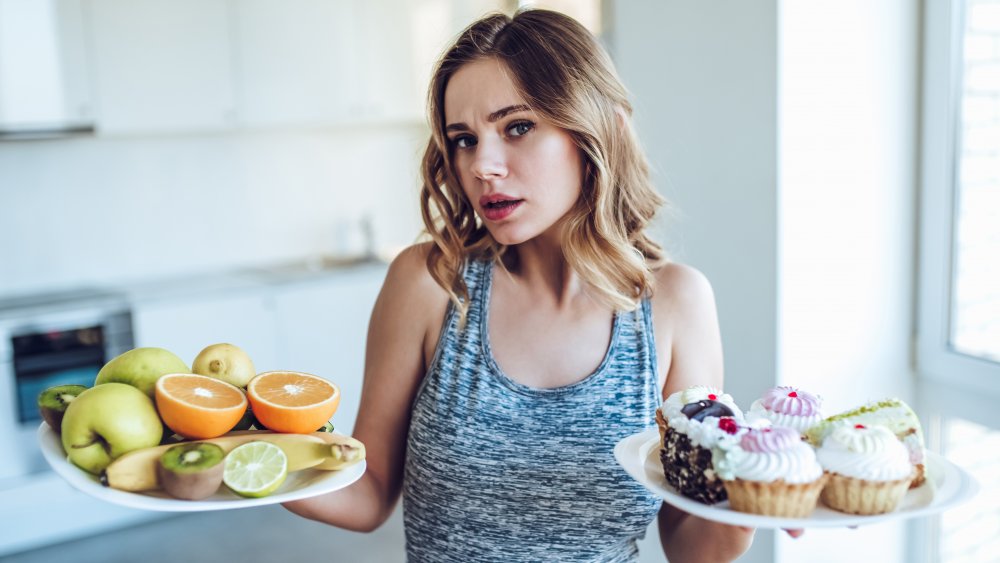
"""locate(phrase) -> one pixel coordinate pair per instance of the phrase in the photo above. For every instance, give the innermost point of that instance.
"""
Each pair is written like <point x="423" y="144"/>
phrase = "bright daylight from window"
<point x="975" y="322"/>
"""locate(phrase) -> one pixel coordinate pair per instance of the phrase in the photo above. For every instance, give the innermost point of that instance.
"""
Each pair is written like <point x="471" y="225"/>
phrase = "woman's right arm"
<point x="406" y="317"/>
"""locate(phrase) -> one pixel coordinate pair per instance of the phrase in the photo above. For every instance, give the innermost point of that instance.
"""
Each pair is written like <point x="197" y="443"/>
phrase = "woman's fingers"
<point x="795" y="532"/>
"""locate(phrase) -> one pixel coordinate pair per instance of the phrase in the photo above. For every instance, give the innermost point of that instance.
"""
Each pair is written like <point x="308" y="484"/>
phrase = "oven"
<point x="46" y="340"/>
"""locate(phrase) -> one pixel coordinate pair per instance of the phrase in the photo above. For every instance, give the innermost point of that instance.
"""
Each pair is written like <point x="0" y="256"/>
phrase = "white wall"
<point x="848" y="112"/>
<point x="785" y="133"/>
<point x="704" y="82"/>
<point x="105" y="211"/>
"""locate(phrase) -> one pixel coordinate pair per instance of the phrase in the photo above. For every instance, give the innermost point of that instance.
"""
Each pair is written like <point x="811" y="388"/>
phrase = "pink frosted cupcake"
<point x="788" y="406"/>
<point x="771" y="472"/>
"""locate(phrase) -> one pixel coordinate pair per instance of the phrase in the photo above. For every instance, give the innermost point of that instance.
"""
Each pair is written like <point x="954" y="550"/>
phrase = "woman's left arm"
<point x="690" y="350"/>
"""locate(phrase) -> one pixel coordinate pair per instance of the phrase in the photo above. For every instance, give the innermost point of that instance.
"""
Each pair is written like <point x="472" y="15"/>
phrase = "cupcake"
<point x="891" y="413"/>
<point x="788" y="406"/>
<point x="773" y="472"/>
<point x="869" y="469"/>
<point x="692" y="422"/>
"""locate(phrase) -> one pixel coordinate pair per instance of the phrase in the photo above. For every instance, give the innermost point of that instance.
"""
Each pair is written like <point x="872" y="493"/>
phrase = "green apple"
<point x="107" y="421"/>
<point x="141" y="368"/>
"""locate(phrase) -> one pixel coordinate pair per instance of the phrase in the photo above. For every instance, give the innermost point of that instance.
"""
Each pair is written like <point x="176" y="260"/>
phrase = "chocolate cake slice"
<point x="693" y="422"/>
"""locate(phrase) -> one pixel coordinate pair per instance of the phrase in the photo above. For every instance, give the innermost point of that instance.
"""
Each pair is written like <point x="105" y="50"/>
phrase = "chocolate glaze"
<point x="698" y="411"/>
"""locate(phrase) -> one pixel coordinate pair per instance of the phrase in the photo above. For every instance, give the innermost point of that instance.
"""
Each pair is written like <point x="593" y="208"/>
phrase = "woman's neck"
<point x="540" y="268"/>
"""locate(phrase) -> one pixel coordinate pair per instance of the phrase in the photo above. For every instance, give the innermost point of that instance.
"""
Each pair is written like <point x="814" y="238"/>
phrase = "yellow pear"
<point x="225" y="361"/>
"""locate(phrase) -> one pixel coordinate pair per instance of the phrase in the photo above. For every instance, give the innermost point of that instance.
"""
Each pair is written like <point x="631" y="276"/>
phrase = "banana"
<point x="346" y="451"/>
<point x="136" y="470"/>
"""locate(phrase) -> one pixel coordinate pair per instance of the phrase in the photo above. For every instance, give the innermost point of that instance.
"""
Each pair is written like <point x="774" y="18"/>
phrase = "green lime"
<point x="255" y="469"/>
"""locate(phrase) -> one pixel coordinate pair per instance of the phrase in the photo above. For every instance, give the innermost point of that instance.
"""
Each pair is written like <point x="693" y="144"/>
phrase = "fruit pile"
<point x="151" y="423"/>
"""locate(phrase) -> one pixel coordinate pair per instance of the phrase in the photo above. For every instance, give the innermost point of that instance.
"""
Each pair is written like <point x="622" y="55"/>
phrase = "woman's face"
<point x="521" y="173"/>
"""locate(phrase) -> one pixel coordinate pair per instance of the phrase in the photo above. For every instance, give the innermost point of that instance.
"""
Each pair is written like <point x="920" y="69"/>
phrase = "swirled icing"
<point x="788" y="406"/>
<point x="769" y="440"/>
<point x="871" y="453"/>
<point x="767" y="455"/>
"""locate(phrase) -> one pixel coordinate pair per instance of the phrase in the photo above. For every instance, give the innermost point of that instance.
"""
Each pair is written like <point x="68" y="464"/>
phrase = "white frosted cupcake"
<point x="869" y="469"/>
<point x="692" y="423"/>
<point x="892" y="413"/>
<point x="788" y="406"/>
<point x="771" y="472"/>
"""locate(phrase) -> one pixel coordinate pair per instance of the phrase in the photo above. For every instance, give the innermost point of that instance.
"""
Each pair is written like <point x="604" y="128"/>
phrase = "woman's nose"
<point x="490" y="162"/>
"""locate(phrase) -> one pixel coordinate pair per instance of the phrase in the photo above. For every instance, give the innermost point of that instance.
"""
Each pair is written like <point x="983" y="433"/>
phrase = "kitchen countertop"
<point x="308" y="269"/>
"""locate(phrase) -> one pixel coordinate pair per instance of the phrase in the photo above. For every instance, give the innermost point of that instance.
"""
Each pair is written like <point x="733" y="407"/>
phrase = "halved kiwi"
<point x="328" y="427"/>
<point x="53" y="401"/>
<point x="191" y="471"/>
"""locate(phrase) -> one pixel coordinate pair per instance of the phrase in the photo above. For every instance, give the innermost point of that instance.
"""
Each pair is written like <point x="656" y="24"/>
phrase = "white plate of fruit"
<point x="155" y="435"/>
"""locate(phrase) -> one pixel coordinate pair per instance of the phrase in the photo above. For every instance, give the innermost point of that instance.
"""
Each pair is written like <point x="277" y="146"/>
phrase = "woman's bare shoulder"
<point x="680" y="286"/>
<point x="687" y="328"/>
<point x="410" y="288"/>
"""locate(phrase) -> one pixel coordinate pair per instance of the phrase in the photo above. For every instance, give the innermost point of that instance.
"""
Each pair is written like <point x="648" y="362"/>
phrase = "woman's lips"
<point x="498" y="206"/>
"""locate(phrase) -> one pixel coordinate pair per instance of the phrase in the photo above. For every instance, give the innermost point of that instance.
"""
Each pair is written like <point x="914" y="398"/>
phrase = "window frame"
<point x="950" y="384"/>
<point x="936" y="360"/>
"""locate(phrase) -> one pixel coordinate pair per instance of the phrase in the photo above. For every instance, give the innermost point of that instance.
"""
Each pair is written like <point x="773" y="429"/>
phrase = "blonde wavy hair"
<point x="568" y="79"/>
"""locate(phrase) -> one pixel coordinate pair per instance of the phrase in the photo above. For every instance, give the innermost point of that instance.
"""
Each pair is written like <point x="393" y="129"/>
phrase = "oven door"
<point x="58" y="349"/>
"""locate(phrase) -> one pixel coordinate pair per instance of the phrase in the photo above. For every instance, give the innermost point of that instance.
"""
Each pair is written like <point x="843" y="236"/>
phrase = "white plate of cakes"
<point x="946" y="486"/>
<point x="783" y="464"/>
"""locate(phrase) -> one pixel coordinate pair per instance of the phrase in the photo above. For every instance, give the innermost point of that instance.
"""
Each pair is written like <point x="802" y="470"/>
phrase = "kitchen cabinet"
<point x="185" y="325"/>
<point x="162" y="65"/>
<point x="314" y="322"/>
<point x="323" y="328"/>
<point x="49" y="91"/>
<point x="298" y="61"/>
<point x="223" y="65"/>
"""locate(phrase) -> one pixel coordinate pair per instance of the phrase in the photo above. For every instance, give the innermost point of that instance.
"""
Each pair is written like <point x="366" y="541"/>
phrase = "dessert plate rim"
<point x="947" y="486"/>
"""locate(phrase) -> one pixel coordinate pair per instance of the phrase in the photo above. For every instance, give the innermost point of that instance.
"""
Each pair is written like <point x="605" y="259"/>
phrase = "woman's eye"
<point x="520" y="128"/>
<point x="463" y="141"/>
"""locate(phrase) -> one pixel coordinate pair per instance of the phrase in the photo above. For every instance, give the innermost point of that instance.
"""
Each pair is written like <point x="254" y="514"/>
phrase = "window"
<point x="972" y="534"/>
<point x="975" y="326"/>
<point x="958" y="316"/>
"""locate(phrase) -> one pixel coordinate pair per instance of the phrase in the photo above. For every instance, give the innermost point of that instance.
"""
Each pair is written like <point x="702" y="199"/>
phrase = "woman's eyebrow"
<point x="493" y="117"/>
<point x="504" y="112"/>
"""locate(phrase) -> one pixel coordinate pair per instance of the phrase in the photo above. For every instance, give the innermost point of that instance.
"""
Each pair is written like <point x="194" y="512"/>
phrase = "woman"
<point x="539" y="327"/>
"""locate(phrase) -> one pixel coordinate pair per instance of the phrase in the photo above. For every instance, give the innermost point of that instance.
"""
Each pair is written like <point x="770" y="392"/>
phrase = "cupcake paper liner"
<point x="919" y="477"/>
<point x="857" y="496"/>
<point x="776" y="498"/>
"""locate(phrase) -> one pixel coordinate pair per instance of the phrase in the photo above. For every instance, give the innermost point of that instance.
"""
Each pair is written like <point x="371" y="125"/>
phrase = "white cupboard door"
<point x="162" y="65"/>
<point x="323" y="328"/>
<point x="187" y="326"/>
<point x="43" y="65"/>
<point x="297" y="62"/>
<point x="389" y="60"/>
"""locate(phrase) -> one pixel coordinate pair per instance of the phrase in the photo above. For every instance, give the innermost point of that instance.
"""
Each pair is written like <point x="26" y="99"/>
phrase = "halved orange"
<point x="200" y="407"/>
<point x="292" y="401"/>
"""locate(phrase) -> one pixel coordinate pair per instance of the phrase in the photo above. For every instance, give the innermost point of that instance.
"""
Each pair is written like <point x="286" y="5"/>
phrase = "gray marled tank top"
<point x="499" y="471"/>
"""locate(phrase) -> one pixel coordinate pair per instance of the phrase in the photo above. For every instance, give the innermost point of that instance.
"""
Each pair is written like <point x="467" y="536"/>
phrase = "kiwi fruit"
<point x="328" y="427"/>
<point x="191" y="471"/>
<point x="53" y="401"/>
